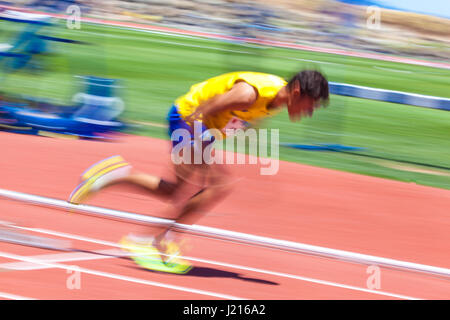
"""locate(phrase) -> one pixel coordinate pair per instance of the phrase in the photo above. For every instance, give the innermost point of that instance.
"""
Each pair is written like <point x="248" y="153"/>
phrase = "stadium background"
<point x="397" y="141"/>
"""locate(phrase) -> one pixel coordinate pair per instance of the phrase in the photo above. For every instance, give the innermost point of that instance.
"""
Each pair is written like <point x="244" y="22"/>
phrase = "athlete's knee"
<point x="167" y="188"/>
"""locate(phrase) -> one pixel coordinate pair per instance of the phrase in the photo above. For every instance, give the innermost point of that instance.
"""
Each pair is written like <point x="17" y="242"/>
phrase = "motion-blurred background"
<point x="411" y="28"/>
<point x="152" y="51"/>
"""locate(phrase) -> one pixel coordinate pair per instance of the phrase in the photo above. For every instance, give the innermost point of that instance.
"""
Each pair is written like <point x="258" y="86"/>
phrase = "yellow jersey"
<point x="267" y="86"/>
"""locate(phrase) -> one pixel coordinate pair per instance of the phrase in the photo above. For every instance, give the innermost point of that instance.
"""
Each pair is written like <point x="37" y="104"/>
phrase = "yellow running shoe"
<point x="98" y="179"/>
<point x="172" y="254"/>
<point x="146" y="255"/>
<point x="141" y="251"/>
<point x="101" y="165"/>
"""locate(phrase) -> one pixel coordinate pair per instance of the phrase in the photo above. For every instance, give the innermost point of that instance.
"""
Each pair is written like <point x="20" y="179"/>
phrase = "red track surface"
<point x="301" y="203"/>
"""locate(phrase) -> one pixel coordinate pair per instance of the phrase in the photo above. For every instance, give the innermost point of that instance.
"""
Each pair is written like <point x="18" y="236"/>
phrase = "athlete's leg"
<point x="149" y="183"/>
<point x="122" y="173"/>
<point x="216" y="188"/>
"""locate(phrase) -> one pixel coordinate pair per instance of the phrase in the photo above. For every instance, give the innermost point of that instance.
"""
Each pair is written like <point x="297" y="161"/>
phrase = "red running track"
<point x="301" y="203"/>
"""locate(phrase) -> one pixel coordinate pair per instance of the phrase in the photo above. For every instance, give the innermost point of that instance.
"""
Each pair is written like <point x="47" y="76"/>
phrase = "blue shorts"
<point x="177" y="122"/>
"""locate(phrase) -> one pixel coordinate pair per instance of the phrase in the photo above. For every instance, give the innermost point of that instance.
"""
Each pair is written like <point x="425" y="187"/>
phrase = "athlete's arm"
<point x="241" y="96"/>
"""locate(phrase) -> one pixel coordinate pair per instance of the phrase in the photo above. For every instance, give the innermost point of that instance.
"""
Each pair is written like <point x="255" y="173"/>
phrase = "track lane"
<point x="350" y="207"/>
<point x="276" y="265"/>
<point x="316" y="206"/>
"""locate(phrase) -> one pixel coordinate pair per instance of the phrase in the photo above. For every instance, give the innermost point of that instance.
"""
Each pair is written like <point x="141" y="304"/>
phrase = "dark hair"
<point x="313" y="84"/>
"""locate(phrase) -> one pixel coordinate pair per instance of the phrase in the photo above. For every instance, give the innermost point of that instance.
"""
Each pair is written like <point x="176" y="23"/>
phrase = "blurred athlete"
<point x="232" y="100"/>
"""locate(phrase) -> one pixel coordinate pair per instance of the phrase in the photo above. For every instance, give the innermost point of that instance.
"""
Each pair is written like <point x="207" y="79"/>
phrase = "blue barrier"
<point x="390" y="96"/>
<point x="322" y="147"/>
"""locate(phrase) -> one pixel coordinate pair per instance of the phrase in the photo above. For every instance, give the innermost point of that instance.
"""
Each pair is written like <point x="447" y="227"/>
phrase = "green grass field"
<point x="404" y="142"/>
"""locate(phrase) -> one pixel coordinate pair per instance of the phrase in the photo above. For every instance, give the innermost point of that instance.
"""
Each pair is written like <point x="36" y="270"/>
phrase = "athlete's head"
<point x="307" y="90"/>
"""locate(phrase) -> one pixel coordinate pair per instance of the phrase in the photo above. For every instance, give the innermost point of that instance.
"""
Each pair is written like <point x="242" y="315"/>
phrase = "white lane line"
<point x="406" y="71"/>
<point x="307" y="60"/>
<point x="118" y="277"/>
<point x="66" y="257"/>
<point x="234" y="266"/>
<point x="307" y="279"/>
<point x="61" y="257"/>
<point x="13" y="296"/>
<point x="393" y="70"/>
<point x="231" y="235"/>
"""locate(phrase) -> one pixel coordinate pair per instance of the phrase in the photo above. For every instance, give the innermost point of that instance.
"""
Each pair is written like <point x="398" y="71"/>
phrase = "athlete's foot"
<point x="165" y="257"/>
<point x="99" y="176"/>
<point x="161" y="245"/>
<point x="164" y="246"/>
<point x="170" y="246"/>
